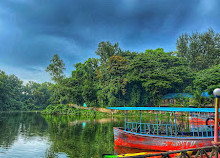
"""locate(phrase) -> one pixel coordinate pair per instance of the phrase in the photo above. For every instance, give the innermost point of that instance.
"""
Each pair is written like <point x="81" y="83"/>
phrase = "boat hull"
<point x="133" y="140"/>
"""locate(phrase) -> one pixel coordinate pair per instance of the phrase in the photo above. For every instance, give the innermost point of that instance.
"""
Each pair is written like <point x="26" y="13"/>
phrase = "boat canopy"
<point x="170" y="109"/>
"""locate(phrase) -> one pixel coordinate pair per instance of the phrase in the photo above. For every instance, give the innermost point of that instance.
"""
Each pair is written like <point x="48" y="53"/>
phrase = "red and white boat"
<point x="166" y="136"/>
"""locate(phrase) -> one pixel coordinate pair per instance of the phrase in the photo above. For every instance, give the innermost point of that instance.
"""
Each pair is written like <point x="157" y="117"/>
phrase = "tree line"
<point x="124" y="78"/>
<point x="14" y="95"/>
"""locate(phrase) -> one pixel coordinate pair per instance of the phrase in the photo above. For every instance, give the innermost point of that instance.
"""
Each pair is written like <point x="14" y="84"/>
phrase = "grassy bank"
<point x="62" y="109"/>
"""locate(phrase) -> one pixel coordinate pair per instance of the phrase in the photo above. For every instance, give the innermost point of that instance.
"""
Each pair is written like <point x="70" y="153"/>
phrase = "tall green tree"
<point x="106" y="50"/>
<point x="85" y="81"/>
<point x="159" y="73"/>
<point x="10" y="92"/>
<point x="201" y="50"/>
<point x="56" y="68"/>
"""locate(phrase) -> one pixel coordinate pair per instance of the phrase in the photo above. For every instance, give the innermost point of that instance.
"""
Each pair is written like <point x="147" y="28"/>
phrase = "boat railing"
<point x="169" y="130"/>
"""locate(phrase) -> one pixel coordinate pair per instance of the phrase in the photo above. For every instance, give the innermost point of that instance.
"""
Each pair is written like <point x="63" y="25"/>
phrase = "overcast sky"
<point x="32" y="31"/>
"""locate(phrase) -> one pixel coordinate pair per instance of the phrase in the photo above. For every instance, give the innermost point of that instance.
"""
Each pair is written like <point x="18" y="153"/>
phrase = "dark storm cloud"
<point x="33" y="30"/>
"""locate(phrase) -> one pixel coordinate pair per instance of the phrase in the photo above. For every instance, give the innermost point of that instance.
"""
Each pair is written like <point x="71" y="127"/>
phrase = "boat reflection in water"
<point x="125" y="150"/>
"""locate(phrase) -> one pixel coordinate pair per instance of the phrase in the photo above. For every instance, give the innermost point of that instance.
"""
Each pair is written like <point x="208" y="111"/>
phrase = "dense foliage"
<point x="208" y="79"/>
<point x="14" y="95"/>
<point x="10" y="92"/>
<point x="202" y="50"/>
<point x="123" y="78"/>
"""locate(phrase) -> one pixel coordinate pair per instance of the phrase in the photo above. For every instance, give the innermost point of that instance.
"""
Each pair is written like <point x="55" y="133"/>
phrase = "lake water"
<point x="30" y="135"/>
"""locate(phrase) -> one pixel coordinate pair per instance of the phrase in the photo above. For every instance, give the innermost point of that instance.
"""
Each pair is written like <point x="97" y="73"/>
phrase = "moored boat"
<point x="165" y="137"/>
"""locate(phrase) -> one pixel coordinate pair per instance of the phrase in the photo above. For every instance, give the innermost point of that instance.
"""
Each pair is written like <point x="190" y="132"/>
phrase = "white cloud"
<point x="207" y="6"/>
<point x="36" y="74"/>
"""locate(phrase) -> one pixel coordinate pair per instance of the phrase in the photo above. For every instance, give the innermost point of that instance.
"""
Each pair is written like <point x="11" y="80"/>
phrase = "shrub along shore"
<point x="65" y="109"/>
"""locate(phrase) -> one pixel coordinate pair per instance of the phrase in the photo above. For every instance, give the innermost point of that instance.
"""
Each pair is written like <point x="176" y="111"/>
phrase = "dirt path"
<point x="94" y="108"/>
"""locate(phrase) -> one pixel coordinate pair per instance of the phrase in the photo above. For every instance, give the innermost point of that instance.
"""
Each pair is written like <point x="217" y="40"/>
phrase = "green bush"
<point x="64" y="109"/>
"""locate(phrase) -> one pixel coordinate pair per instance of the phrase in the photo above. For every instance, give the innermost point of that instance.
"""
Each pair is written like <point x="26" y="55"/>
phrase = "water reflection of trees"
<point x="14" y="123"/>
<point x="78" y="140"/>
<point x="76" y="137"/>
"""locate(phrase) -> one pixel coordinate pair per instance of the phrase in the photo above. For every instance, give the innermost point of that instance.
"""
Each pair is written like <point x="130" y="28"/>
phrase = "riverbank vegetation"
<point x="65" y="109"/>
<point x="123" y="78"/>
<point x="14" y="95"/>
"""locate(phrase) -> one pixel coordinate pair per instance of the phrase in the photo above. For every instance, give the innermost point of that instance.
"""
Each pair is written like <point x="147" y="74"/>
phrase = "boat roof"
<point x="170" y="109"/>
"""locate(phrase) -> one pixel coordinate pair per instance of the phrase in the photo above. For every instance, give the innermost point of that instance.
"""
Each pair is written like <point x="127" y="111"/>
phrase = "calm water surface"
<point x="25" y="135"/>
<point x="30" y="135"/>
